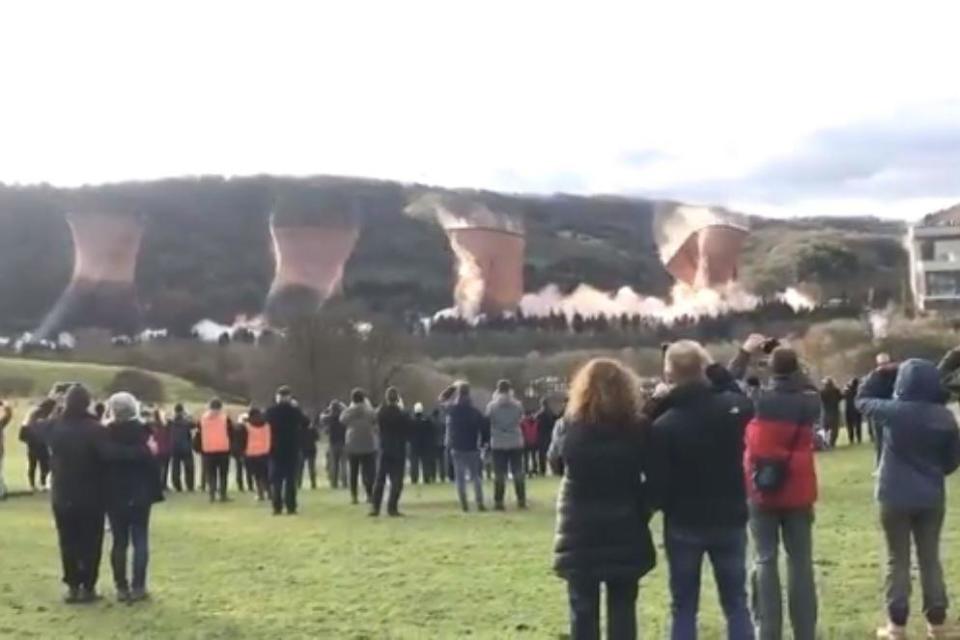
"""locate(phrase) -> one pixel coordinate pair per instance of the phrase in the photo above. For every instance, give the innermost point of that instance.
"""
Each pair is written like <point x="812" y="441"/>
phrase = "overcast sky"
<point x="770" y="107"/>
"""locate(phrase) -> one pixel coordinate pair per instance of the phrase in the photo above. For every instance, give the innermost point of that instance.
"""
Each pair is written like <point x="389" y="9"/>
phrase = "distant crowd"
<point x="724" y="453"/>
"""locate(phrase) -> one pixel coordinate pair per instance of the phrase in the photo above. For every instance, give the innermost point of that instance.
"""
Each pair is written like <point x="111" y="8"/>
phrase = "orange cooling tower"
<point x="489" y="270"/>
<point x="101" y="292"/>
<point x="700" y="246"/>
<point x="309" y="266"/>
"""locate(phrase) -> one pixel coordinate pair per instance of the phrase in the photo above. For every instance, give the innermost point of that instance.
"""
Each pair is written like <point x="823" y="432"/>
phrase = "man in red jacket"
<point x="782" y="432"/>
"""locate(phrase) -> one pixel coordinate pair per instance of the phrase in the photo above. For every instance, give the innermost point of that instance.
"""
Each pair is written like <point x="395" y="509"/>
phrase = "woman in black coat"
<point x="133" y="486"/>
<point x="602" y="533"/>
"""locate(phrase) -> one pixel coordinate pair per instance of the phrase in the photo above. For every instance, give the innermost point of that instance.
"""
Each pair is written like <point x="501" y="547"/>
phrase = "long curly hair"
<point x="605" y="393"/>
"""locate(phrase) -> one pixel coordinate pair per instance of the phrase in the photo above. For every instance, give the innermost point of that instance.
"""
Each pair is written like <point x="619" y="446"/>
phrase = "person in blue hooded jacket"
<point x="919" y="446"/>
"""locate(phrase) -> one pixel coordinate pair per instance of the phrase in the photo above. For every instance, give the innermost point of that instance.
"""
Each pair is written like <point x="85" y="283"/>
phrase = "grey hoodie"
<point x="919" y="440"/>
<point x="505" y="414"/>
<point x="360" y="421"/>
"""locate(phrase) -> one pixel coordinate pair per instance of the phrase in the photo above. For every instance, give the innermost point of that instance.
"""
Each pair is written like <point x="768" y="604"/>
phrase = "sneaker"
<point x="394" y="514"/>
<point x="942" y="632"/>
<point x="891" y="631"/>
<point x="499" y="507"/>
<point x="123" y="594"/>
<point x="481" y="508"/>
<point x="139" y="595"/>
<point x="522" y="506"/>
<point x="72" y="596"/>
<point x="374" y="513"/>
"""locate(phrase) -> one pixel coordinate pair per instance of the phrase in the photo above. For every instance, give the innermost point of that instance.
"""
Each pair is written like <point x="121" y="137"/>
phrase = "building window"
<point x="926" y="250"/>
<point x="947" y="250"/>
<point x="943" y="284"/>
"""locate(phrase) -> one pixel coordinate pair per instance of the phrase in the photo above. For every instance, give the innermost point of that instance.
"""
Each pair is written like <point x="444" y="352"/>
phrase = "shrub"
<point x="146" y="387"/>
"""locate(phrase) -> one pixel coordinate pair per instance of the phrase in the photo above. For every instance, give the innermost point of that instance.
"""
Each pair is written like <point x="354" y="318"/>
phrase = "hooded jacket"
<point x="181" y="433"/>
<point x="360" y="421"/>
<point x="505" y="414"/>
<point x="918" y="436"/>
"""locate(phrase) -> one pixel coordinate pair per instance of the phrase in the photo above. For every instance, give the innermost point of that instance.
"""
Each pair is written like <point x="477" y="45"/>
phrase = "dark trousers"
<point x="512" y="459"/>
<point x="542" y="467"/>
<point x="204" y="472"/>
<point x="80" y="533"/>
<point x="218" y="470"/>
<point x="924" y="526"/>
<point x="308" y="462"/>
<point x="530" y="460"/>
<point x="336" y="465"/>
<point x="364" y="464"/>
<point x="855" y="428"/>
<point x="584" y="594"/>
<point x="183" y="470"/>
<point x="164" y="463"/>
<point x="240" y="471"/>
<point x="423" y="463"/>
<point x="258" y="469"/>
<point x="128" y="526"/>
<point x="283" y="485"/>
<point x="38" y="458"/>
<point x="727" y="550"/>
<point x="831" y="423"/>
<point x="389" y="468"/>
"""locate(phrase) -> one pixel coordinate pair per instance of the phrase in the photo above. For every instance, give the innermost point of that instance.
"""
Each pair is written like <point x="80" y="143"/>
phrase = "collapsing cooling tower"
<point x="310" y="258"/>
<point x="101" y="292"/>
<point x="488" y="246"/>
<point x="700" y="246"/>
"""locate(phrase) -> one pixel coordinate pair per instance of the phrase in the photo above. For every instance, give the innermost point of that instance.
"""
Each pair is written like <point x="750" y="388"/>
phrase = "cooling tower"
<point x="700" y="246"/>
<point x="310" y="259"/>
<point x="489" y="270"/>
<point x="101" y="291"/>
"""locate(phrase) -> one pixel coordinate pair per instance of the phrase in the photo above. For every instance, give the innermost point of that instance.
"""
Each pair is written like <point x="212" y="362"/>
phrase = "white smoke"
<point x="684" y="302"/>
<point x="468" y="294"/>
<point x="210" y="330"/>
<point x="460" y="211"/>
<point x="879" y="324"/>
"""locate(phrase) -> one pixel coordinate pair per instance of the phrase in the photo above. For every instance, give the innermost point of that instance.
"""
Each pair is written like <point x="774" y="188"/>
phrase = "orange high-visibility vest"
<point x="258" y="440"/>
<point x="213" y="433"/>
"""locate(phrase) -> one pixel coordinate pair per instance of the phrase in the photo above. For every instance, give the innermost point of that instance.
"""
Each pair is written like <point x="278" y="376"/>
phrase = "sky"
<point x="776" y="108"/>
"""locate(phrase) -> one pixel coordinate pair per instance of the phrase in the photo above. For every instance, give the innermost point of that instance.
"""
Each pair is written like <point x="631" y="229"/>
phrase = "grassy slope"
<point x="45" y="373"/>
<point x="233" y="571"/>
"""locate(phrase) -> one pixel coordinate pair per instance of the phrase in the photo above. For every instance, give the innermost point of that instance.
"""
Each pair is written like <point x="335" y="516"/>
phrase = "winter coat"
<point x="603" y="509"/>
<point x="696" y="456"/>
<point x="467" y="429"/>
<point x="395" y="427"/>
<point x="164" y="439"/>
<point x="132" y="483"/>
<point x="81" y="450"/>
<point x="181" y="435"/>
<point x="309" y="436"/>
<point x="850" y="401"/>
<point x="546" y="420"/>
<point x="786" y="412"/>
<point x="286" y="421"/>
<point x="238" y="439"/>
<point x="918" y="435"/>
<point x="505" y="413"/>
<point x="423" y="436"/>
<point x="529" y="429"/>
<point x="336" y="431"/>
<point x="361" y="423"/>
<point x="830" y="397"/>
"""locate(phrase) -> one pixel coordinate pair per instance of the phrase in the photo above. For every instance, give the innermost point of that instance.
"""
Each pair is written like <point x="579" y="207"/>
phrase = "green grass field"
<point x="234" y="571"/>
<point x="45" y="373"/>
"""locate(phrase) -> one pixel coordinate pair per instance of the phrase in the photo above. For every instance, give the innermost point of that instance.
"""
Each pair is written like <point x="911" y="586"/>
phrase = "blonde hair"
<point x="604" y="392"/>
<point x="686" y="361"/>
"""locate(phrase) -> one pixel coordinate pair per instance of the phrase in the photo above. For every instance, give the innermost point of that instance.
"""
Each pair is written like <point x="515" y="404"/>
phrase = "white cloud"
<point x="543" y="95"/>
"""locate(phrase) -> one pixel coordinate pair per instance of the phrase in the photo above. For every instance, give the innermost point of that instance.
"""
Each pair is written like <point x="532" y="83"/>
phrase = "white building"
<point x="934" y="246"/>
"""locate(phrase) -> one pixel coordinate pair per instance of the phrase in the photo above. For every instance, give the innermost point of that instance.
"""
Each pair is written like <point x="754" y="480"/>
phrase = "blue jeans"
<point x="468" y="463"/>
<point x="727" y="549"/>
<point x="130" y="525"/>
<point x="584" y="596"/>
